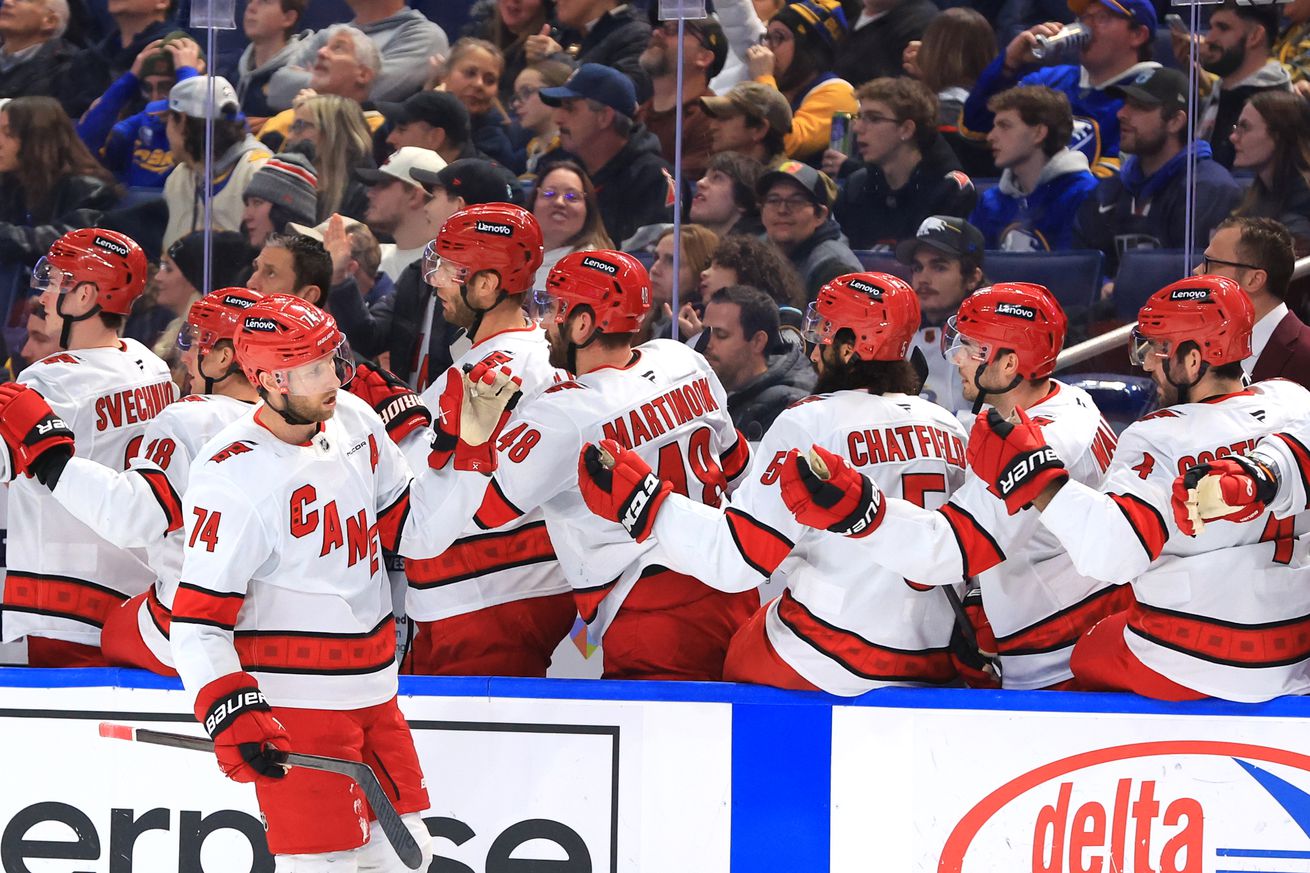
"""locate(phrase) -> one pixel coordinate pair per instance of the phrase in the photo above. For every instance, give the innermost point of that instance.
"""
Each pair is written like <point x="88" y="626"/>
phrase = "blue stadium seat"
<point x="1074" y="277"/>
<point x="1142" y="272"/>
<point x="883" y="262"/>
<point x="1121" y="399"/>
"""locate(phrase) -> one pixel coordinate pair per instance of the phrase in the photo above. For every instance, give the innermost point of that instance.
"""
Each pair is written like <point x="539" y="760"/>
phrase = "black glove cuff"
<point x="50" y="466"/>
<point x="228" y="707"/>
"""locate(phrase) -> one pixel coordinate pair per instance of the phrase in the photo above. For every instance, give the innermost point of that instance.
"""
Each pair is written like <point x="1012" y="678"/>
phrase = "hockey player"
<point x="496" y="602"/>
<point x="1221" y="614"/>
<point x="841" y="625"/>
<point x="140" y="507"/>
<point x="63" y="578"/>
<point x="1004" y="341"/>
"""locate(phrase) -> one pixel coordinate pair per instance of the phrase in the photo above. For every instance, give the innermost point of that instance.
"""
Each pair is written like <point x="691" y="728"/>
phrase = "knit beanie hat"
<point x="231" y="256"/>
<point x="822" y="23"/>
<point x="287" y="180"/>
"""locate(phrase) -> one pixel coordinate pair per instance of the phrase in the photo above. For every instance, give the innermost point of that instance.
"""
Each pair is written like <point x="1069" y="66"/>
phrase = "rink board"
<point x="616" y="777"/>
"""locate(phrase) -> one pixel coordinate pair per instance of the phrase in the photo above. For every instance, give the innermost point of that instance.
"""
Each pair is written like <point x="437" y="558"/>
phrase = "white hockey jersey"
<point x="845" y="624"/>
<point x="1226" y="613"/>
<point x="282" y="572"/>
<point x="1037" y="603"/>
<point x="514" y="561"/>
<point x="63" y="577"/>
<point x="142" y="507"/>
<point x="943" y="383"/>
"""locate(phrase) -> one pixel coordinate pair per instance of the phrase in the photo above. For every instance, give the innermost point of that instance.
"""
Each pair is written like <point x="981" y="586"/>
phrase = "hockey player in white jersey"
<point x="140" y="507"/>
<point x="496" y="602"/>
<point x="63" y="578"/>
<point x="1221" y="614"/>
<point x="1004" y="341"/>
<point x="842" y="625"/>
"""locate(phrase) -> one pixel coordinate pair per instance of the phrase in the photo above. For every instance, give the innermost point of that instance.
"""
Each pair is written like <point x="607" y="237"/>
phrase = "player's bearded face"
<point x="310" y="407"/>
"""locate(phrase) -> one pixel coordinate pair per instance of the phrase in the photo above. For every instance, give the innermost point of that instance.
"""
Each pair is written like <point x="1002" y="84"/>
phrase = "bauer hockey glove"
<point x="1012" y="457"/>
<point x="38" y="440"/>
<point x="401" y="410"/>
<point x="1236" y="488"/>
<point x="475" y="406"/>
<point x="618" y="485"/>
<point x="825" y="492"/>
<point x="248" y="741"/>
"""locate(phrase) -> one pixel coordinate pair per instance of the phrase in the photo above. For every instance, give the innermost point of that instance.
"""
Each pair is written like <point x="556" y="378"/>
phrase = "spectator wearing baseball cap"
<point x="237" y="157"/>
<point x="433" y="120"/>
<point x="705" y="48"/>
<point x="796" y="209"/>
<point x="751" y="119"/>
<point x="609" y="33"/>
<point x="396" y="202"/>
<point x="796" y="58"/>
<point x="945" y="257"/>
<point x="1119" y="50"/>
<point x="595" y="112"/>
<point x="879" y="36"/>
<point x="1145" y="205"/>
<point x="283" y="190"/>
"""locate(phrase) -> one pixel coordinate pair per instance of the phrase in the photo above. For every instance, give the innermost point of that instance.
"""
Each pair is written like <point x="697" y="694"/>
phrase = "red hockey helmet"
<point x="614" y="284"/>
<point x="1020" y="317"/>
<point x="1211" y="311"/>
<point x="110" y="260"/>
<point x="489" y="236"/>
<point x="295" y="341"/>
<point x="882" y="311"/>
<point x="214" y="317"/>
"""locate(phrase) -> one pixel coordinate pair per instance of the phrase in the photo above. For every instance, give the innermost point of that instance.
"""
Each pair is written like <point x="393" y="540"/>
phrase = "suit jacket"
<point x="1287" y="354"/>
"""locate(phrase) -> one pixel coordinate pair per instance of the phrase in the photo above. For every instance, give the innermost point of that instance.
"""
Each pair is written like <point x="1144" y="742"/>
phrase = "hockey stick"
<point x="388" y="819"/>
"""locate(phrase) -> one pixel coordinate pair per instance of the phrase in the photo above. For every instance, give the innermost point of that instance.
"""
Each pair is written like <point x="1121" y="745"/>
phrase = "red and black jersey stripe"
<point x="1146" y="521"/>
<point x="1062" y="629"/>
<point x="168" y="500"/>
<point x="323" y="654"/>
<point x="482" y="554"/>
<point x="158" y="612"/>
<point x="196" y="605"/>
<point x="496" y="509"/>
<point x="733" y="461"/>
<point x="60" y="596"/>
<point x="1271" y="644"/>
<point x="391" y="522"/>
<point x="760" y="545"/>
<point x="979" y="551"/>
<point x="1302" y="456"/>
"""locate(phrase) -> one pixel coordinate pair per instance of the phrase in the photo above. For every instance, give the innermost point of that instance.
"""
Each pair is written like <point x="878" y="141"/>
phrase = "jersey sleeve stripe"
<point x="482" y="554"/>
<point x="160" y="614"/>
<point x="496" y="509"/>
<point x="1062" y="629"/>
<point x="762" y="547"/>
<point x="391" y="521"/>
<point x="168" y="500"/>
<point x="1302" y="456"/>
<point x="1146" y="521"/>
<point x="734" y="461"/>
<point x="60" y="596"/>
<point x="588" y="599"/>
<point x="1272" y="644"/>
<point x="202" y="606"/>
<point x="979" y="551"/>
<point x="317" y="653"/>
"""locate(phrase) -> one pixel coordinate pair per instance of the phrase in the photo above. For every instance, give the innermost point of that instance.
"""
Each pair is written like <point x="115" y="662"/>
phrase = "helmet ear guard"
<point x="880" y="309"/>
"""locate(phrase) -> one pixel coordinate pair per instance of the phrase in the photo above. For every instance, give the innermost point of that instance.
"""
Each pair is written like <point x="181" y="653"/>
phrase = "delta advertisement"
<point x="961" y="791"/>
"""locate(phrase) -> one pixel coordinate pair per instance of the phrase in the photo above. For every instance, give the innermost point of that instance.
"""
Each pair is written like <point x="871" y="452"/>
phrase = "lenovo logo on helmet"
<point x="110" y="245"/>
<point x="859" y="285"/>
<point x="1016" y="310"/>
<point x="238" y="302"/>
<point x="603" y="266"/>
<point x="264" y="325"/>
<point x="1190" y="294"/>
<point x="491" y="227"/>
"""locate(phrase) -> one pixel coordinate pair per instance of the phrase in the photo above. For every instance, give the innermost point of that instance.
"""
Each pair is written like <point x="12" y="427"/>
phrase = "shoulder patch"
<point x="61" y="358"/>
<point x="194" y="398"/>
<point x="805" y="400"/>
<point x="564" y="386"/>
<point x="1159" y="413"/>
<point x="240" y="447"/>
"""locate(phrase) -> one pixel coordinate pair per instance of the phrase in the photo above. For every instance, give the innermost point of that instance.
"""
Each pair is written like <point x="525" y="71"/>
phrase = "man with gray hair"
<point x="403" y="36"/>
<point x="347" y="64"/>
<point x="33" y="54"/>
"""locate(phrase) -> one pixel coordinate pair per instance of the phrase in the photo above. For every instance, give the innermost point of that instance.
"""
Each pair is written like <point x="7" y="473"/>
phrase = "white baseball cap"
<point x="191" y="97"/>
<point x="397" y="166"/>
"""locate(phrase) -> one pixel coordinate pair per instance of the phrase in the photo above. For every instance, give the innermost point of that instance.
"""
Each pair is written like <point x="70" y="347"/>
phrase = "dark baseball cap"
<point x="1164" y="87"/>
<point x="821" y="189"/>
<point x="605" y="85"/>
<point x="474" y="179"/>
<point x="437" y="108"/>
<point x="945" y="233"/>
<point x="706" y="31"/>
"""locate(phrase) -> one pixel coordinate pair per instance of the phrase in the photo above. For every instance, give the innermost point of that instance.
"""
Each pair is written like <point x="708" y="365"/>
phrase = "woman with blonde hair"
<point x="340" y="142"/>
<point x="473" y="74"/>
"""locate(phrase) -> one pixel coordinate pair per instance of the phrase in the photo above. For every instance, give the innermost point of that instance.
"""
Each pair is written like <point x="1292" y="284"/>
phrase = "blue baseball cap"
<point x="1140" y="12"/>
<point x="605" y="85"/>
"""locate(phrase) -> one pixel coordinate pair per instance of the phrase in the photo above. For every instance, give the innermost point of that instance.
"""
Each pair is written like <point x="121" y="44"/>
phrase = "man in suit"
<point x="1257" y="254"/>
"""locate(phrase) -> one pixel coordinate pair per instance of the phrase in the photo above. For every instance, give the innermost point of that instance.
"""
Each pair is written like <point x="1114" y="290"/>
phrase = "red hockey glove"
<point x="619" y="485"/>
<point x="39" y="442"/>
<point x="400" y="409"/>
<point x="1237" y="488"/>
<point x="475" y="407"/>
<point x="248" y="741"/>
<point x="825" y="492"/>
<point x="973" y="652"/>
<point x="1013" y="458"/>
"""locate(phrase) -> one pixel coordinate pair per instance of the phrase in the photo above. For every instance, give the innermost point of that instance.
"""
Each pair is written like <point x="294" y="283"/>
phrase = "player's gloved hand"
<point x="617" y="484"/>
<point x="1012" y="457"/>
<point x="475" y="406"/>
<point x="400" y="408"/>
<point x="825" y="492"/>
<point x="248" y="741"/>
<point x="38" y="441"/>
<point x="1236" y="488"/>
<point x="974" y="653"/>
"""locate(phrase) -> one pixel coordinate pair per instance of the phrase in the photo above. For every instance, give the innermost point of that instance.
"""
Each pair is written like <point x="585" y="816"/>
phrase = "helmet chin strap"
<point x="211" y="382"/>
<point x="286" y="414"/>
<point x="479" y="313"/>
<point x="1184" y="388"/>
<point x="983" y="392"/>
<point x="69" y="320"/>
